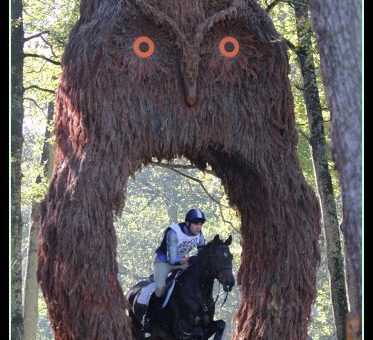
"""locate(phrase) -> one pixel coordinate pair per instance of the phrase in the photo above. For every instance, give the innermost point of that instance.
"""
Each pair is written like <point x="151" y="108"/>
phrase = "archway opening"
<point x="159" y="195"/>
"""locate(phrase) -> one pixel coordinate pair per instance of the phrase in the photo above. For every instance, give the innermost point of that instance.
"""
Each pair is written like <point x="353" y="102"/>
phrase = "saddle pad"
<point x="145" y="293"/>
<point x="148" y="290"/>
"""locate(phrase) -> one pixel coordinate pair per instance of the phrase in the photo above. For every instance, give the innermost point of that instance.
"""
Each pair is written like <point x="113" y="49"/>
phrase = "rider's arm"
<point x="172" y="257"/>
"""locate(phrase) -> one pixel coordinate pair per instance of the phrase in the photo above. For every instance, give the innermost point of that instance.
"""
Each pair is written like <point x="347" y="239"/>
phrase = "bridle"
<point x="213" y="261"/>
<point x="218" y="271"/>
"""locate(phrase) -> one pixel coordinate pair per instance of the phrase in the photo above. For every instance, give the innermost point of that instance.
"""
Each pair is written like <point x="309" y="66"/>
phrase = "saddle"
<point x="148" y="290"/>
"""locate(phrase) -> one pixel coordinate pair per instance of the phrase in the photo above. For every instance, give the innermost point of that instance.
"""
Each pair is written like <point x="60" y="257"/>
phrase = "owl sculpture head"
<point x="194" y="69"/>
<point x="187" y="30"/>
<point x="203" y="79"/>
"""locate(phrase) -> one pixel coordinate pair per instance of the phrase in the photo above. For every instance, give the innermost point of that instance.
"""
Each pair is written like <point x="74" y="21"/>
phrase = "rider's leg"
<point x="161" y="270"/>
<point x="151" y="310"/>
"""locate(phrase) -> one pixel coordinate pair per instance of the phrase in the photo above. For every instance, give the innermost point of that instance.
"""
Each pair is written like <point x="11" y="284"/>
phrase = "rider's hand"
<point x="184" y="260"/>
<point x="192" y="260"/>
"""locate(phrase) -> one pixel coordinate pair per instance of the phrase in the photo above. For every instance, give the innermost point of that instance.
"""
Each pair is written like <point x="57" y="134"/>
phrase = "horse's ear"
<point x="228" y="241"/>
<point x="216" y="238"/>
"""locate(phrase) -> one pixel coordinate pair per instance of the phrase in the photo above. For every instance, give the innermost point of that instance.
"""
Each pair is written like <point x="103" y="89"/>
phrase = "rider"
<point x="178" y="240"/>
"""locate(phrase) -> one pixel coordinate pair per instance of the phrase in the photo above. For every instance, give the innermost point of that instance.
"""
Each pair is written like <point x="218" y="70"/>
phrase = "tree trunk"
<point x="338" y="30"/>
<point x="16" y="176"/>
<point x="31" y="288"/>
<point x="320" y="162"/>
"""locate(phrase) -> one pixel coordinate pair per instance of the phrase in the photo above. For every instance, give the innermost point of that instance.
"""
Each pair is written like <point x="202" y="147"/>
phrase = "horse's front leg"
<point x="215" y="327"/>
<point x="175" y="319"/>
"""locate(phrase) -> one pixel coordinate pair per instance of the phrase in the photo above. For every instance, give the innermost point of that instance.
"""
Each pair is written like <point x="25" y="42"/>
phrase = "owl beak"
<point x="190" y="92"/>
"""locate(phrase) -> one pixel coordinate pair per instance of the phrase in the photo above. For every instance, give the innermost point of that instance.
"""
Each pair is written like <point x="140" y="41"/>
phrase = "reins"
<point x="204" y="307"/>
<point x="218" y="271"/>
<point x="218" y="295"/>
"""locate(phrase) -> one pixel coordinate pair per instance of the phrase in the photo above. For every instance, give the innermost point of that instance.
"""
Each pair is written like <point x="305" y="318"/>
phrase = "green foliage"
<point x="283" y="18"/>
<point x="55" y="17"/>
<point x="47" y="24"/>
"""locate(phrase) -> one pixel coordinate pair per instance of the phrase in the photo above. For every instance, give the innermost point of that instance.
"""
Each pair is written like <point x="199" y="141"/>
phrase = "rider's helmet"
<point x="195" y="216"/>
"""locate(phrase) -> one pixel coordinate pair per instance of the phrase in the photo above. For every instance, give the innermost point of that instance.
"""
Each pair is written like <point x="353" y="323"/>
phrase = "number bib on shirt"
<point x="185" y="243"/>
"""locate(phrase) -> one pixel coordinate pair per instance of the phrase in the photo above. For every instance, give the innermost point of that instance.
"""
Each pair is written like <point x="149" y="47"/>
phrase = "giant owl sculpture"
<point x="203" y="79"/>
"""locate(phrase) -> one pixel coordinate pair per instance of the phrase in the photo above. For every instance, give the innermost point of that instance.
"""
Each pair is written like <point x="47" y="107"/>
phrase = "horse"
<point x="190" y="310"/>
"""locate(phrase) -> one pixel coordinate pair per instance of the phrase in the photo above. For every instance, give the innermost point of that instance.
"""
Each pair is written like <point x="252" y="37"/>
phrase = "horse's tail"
<point x="136" y="325"/>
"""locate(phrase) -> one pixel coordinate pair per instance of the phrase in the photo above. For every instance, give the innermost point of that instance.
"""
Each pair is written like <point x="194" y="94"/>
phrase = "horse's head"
<point x="220" y="261"/>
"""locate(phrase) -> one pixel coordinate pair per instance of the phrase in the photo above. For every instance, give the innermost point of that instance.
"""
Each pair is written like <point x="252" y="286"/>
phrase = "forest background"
<point x="161" y="193"/>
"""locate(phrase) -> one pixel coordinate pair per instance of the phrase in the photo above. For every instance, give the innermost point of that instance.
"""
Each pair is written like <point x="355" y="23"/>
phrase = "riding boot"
<point x="154" y="309"/>
<point x="159" y="312"/>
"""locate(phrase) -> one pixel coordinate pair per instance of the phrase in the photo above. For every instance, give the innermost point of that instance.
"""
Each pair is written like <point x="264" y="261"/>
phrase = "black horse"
<point x="190" y="310"/>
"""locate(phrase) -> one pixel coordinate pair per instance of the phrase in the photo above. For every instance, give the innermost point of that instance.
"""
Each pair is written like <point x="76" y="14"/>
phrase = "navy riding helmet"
<point x="195" y="216"/>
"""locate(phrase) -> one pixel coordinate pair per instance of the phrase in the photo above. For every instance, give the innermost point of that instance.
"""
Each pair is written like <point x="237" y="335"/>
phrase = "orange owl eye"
<point x="143" y="47"/>
<point x="229" y="47"/>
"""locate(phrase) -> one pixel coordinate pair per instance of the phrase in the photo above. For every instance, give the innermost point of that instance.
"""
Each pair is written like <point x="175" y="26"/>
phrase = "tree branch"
<point x="50" y="46"/>
<point x="34" y="101"/>
<point x="32" y="55"/>
<point x="35" y="36"/>
<point x="39" y="88"/>
<point x="179" y="166"/>
<point x="225" y="221"/>
<point x="304" y="135"/>
<point x="291" y="46"/>
<point x="201" y="184"/>
<point x="185" y="175"/>
<point x="287" y="42"/>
